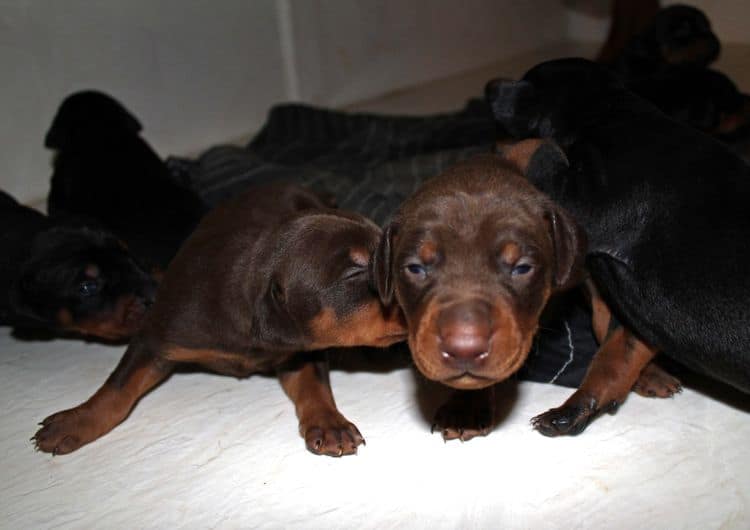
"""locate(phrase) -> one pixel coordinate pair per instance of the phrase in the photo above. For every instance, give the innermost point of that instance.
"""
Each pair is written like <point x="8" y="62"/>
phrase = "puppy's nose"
<point x="465" y="330"/>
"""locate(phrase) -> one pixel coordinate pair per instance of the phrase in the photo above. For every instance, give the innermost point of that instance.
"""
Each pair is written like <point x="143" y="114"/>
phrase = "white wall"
<point x="193" y="72"/>
<point x="351" y="50"/>
<point x="199" y="72"/>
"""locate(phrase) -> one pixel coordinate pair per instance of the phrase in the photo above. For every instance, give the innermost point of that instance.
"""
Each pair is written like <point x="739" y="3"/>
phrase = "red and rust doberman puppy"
<point x="265" y="276"/>
<point x="472" y="259"/>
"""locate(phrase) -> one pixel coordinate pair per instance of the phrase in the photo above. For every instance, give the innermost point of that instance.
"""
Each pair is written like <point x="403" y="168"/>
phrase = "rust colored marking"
<point x="428" y="252"/>
<point x="369" y="325"/>
<point x="223" y="362"/>
<point x="601" y="314"/>
<point x="360" y="256"/>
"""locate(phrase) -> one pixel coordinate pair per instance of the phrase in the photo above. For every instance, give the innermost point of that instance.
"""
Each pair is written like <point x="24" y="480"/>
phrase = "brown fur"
<point x="472" y="259"/>
<point x="265" y="276"/>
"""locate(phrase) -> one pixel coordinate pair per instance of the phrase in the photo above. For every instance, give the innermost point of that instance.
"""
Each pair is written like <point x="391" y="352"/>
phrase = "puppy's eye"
<point x="88" y="288"/>
<point x="520" y="269"/>
<point x="354" y="272"/>
<point x="416" y="270"/>
<point x="277" y="293"/>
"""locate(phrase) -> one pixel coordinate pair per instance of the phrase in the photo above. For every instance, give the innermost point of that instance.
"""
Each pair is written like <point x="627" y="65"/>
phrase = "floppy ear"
<point x="381" y="265"/>
<point x="86" y="115"/>
<point x="536" y="158"/>
<point x="513" y="105"/>
<point x="569" y="244"/>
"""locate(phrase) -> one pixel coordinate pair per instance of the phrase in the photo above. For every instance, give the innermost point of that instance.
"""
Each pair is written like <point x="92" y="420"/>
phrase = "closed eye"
<point x="88" y="288"/>
<point x="521" y="269"/>
<point x="416" y="270"/>
<point x="354" y="272"/>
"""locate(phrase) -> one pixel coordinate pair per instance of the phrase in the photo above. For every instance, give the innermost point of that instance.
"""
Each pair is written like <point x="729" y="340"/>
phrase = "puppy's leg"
<point x="613" y="371"/>
<point x="138" y="372"/>
<point x="325" y="430"/>
<point x="468" y="413"/>
<point x="653" y="380"/>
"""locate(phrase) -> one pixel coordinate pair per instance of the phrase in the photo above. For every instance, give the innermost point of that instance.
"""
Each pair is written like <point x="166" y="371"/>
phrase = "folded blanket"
<point x="370" y="164"/>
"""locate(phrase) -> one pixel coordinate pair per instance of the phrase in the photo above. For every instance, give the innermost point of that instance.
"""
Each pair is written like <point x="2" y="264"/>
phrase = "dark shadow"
<point x="706" y="386"/>
<point x="47" y="335"/>
<point x="430" y="396"/>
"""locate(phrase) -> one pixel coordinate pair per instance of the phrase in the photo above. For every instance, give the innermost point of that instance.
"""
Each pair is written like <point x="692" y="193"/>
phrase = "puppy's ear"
<point x="381" y="265"/>
<point x="87" y="115"/>
<point x="514" y="105"/>
<point x="541" y="161"/>
<point x="569" y="244"/>
<point x="535" y="158"/>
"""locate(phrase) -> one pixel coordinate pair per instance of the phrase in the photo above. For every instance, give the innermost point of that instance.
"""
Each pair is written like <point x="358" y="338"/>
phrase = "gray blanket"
<point x="371" y="163"/>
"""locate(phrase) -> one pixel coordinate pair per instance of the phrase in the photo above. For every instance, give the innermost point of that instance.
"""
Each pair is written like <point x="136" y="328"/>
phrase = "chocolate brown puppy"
<point x="267" y="275"/>
<point x="472" y="259"/>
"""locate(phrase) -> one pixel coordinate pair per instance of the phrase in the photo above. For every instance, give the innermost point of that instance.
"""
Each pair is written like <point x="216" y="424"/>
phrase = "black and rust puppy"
<point x="665" y="210"/>
<point x="264" y="277"/>
<point x="702" y="98"/>
<point x="472" y="259"/>
<point x="65" y="277"/>
<point x="677" y="35"/>
<point x="666" y="63"/>
<point x="104" y="170"/>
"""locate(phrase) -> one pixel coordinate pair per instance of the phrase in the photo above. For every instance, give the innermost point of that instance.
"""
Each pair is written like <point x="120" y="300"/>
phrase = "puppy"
<point x="702" y="98"/>
<point x="665" y="210"/>
<point x="472" y="259"/>
<point x="264" y="277"/>
<point x="104" y="170"/>
<point x="65" y="277"/>
<point x="677" y="35"/>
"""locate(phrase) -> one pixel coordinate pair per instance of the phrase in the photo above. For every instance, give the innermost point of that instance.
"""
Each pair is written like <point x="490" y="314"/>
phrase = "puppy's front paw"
<point x="573" y="417"/>
<point x="64" y="432"/>
<point x="331" y="434"/>
<point x="465" y="415"/>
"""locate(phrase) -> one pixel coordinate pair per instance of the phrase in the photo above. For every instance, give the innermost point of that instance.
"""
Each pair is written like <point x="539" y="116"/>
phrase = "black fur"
<point x="665" y="208"/>
<point x="103" y="169"/>
<point x="677" y="35"/>
<point x="48" y="266"/>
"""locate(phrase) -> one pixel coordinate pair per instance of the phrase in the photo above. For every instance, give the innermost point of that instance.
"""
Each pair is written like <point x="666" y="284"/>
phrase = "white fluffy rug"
<point x="205" y="451"/>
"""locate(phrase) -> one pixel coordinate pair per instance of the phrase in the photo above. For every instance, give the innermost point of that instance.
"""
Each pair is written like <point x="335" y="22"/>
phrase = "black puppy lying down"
<point x="265" y="276"/>
<point x="66" y="277"/>
<point x="666" y="211"/>
<point x="104" y="170"/>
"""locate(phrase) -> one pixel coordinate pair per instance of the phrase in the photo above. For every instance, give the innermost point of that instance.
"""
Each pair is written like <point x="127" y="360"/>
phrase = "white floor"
<point x="204" y="451"/>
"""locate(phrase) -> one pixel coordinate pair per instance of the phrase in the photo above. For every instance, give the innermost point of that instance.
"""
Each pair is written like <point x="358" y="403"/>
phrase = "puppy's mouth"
<point x="468" y="381"/>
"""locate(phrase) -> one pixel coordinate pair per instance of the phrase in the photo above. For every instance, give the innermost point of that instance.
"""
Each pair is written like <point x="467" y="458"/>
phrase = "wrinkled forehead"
<point x="321" y="240"/>
<point x="473" y="230"/>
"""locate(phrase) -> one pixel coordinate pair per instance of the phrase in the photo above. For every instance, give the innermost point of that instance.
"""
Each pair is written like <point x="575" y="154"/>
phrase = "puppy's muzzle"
<point x="464" y="333"/>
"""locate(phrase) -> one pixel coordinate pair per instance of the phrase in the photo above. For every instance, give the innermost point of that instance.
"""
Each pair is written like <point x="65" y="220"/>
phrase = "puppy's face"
<point x="314" y="290"/>
<point x="83" y="281"/>
<point x="553" y="99"/>
<point x="472" y="259"/>
<point x="683" y="36"/>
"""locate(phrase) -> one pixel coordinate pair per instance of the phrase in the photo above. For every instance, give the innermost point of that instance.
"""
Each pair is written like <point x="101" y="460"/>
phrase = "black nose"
<point x="464" y="333"/>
